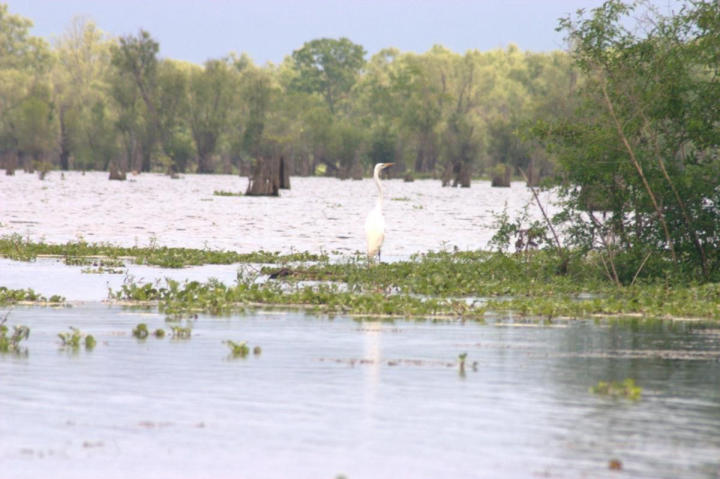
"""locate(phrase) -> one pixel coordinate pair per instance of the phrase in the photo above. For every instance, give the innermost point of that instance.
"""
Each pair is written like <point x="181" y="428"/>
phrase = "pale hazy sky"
<point x="268" y="30"/>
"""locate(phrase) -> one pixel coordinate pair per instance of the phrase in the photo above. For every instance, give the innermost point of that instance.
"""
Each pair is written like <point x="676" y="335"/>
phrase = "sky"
<point x="268" y="30"/>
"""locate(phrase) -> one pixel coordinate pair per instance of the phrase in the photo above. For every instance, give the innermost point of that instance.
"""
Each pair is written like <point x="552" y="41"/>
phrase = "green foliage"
<point x="181" y="332"/>
<point x="100" y="101"/>
<point x="328" y="67"/>
<point x="74" y="339"/>
<point x="10" y="343"/>
<point x="140" y="331"/>
<point x="238" y="350"/>
<point x="13" y="296"/>
<point x="226" y="193"/>
<point x="625" y="389"/>
<point x="465" y="285"/>
<point x="103" y="255"/>
<point x="212" y="96"/>
<point x="638" y="155"/>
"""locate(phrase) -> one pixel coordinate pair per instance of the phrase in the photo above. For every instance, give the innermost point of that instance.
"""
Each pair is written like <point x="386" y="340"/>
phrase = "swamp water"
<point x="363" y="399"/>
<point x="326" y="397"/>
<point x="317" y="214"/>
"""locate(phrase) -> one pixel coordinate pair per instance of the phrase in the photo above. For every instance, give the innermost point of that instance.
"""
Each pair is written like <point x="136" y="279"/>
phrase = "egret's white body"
<point x="375" y="222"/>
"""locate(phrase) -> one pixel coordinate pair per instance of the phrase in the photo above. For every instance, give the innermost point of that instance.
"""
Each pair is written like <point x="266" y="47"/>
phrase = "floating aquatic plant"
<point x="23" y="249"/>
<point x="75" y="338"/>
<point x="625" y="389"/>
<point x="180" y="332"/>
<point x="140" y="331"/>
<point x="461" y="363"/>
<point x="10" y="343"/>
<point x="226" y="193"/>
<point x="238" y="350"/>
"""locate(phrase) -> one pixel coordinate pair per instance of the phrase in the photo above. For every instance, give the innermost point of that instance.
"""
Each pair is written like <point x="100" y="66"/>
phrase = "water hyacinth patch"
<point x="22" y="249"/>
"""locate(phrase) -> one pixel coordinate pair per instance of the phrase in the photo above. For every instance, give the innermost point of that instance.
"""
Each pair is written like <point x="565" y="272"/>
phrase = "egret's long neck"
<point x="376" y="177"/>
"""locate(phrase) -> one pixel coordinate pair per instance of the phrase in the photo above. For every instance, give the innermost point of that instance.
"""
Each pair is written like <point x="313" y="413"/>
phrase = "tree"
<point x="135" y="59"/>
<point x="173" y="80"/>
<point x="328" y="67"/>
<point x="26" y="119"/>
<point x="212" y="98"/>
<point x="79" y="92"/>
<point x="644" y="137"/>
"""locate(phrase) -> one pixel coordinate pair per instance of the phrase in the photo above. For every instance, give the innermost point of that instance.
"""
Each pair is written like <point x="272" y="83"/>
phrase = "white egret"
<point x="375" y="222"/>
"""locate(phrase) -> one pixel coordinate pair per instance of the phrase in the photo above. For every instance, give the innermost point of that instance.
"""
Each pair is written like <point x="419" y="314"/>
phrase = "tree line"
<point x="90" y="101"/>
<point x="625" y="124"/>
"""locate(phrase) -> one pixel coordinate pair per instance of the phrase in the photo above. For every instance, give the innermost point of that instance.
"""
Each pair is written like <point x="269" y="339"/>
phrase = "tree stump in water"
<point x="533" y="176"/>
<point x="501" y="176"/>
<point x="266" y="179"/>
<point x="115" y="173"/>
<point x="284" y="174"/>
<point x="10" y="161"/>
<point x="462" y="177"/>
<point x="458" y="172"/>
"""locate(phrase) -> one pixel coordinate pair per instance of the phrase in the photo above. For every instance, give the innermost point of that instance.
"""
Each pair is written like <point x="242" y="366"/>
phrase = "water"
<point x="363" y="399"/>
<point x="317" y="214"/>
<point x="327" y="396"/>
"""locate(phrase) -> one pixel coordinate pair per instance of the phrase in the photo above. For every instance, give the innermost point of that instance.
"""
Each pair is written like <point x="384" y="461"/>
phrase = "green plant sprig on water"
<point x="241" y="349"/>
<point x="75" y="338"/>
<point x="625" y="389"/>
<point x="10" y="343"/>
<point x="226" y="193"/>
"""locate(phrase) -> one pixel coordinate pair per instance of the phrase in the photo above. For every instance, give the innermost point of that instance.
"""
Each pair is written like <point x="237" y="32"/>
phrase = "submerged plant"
<point x="140" y="331"/>
<point x="461" y="363"/>
<point x="180" y="332"/>
<point x="10" y="343"/>
<point x="625" y="389"/>
<point x="238" y="350"/>
<point x="75" y="338"/>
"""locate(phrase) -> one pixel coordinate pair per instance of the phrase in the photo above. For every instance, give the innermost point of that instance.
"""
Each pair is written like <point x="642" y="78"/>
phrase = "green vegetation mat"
<point x="469" y="285"/>
<point x="21" y="249"/>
